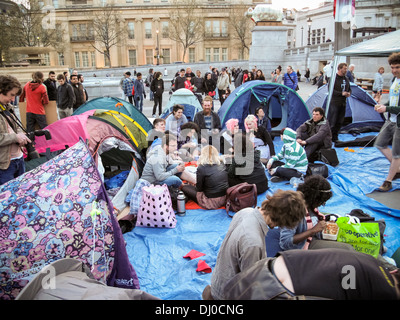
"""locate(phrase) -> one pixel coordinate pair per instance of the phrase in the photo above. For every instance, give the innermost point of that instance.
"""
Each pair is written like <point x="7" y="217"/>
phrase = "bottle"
<point x="181" y="204"/>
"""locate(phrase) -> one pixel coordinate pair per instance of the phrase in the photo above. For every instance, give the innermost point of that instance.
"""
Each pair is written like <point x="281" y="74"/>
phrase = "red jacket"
<point x="36" y="97"/>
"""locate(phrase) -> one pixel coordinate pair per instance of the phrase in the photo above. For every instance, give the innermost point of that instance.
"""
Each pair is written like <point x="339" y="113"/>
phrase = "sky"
<point x="298" y="4"/>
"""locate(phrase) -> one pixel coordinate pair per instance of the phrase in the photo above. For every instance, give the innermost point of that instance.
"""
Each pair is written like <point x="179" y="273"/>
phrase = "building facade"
<point x="146" y="39"/>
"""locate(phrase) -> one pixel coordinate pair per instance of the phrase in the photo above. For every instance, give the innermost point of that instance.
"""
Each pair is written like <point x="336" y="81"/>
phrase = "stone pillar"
<point x="269" y="40"/>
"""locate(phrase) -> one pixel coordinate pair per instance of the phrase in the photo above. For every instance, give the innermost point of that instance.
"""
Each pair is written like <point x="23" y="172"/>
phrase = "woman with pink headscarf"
<point x="260" y="137"/>
<point x="232" y="126"/>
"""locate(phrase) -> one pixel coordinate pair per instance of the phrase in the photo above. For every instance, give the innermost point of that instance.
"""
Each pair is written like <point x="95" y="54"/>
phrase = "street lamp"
<point x="302" y="28"/>
<point x="158" y="49"/>
<point x="309" y="21"/>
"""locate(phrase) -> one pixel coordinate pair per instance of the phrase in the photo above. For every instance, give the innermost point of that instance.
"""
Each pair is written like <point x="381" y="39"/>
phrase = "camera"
<point x="30" y="148"/>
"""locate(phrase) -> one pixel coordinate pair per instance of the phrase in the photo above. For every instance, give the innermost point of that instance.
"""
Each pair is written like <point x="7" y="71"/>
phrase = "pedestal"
<point x="269" y="40"/>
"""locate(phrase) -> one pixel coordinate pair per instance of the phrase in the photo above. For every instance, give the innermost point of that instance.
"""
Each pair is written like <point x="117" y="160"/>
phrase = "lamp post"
<point x="309" y="21"/>
<point x="158" y="49"/>
<point x="302" y="28"/>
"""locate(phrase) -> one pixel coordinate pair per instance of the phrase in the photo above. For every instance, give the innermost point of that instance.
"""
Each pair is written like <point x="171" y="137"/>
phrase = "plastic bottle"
<point x="295" y="182"/>
<point x="181" y="204"/>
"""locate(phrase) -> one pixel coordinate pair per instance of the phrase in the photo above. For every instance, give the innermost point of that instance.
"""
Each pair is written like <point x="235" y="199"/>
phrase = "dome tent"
<point x="280" y="103"/>
<point x="359" y="107"/>
<point x="186" y="98"/>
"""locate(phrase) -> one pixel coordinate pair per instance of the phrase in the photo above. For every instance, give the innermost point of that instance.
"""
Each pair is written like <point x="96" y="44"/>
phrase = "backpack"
<point x="241" y="196"/>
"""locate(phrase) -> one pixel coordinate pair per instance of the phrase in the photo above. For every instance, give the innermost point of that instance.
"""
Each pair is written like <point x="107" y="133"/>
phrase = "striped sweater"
<point x="293" y="153"/>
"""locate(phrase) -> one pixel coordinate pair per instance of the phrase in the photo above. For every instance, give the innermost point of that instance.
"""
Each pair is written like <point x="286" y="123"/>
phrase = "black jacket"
<point x="212" y="180"/>
<point x="157" y="87"/>
<point x="65" y="96"/>
<point x="209" y="85"/>
<point x="51" y="89"/>
<point x="179" y="83"/>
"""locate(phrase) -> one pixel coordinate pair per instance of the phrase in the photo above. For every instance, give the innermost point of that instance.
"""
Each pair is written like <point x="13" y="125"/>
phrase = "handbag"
<point x="240" y="196"/>
<point x="317" y="169"/>
<point x="156" y="208"/>
<point x="362" y="236"/>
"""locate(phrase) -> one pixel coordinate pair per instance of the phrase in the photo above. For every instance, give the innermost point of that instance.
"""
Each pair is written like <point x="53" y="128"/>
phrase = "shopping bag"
<point x="364" y="237"/>
<point x="156" y="208"/>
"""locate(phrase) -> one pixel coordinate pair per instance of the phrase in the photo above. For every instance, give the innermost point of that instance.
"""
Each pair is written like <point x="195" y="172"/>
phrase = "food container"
<point x="331" y="231"/>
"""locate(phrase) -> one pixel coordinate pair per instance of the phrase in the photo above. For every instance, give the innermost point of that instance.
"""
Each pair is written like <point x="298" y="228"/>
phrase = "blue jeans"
<point x="15" y="169"/>
<point x="174" y="180"/>
<point x="139" y="102"/>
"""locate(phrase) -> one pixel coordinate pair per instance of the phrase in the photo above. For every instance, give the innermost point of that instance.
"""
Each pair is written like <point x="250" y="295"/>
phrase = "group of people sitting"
<point x="228" y="157"/>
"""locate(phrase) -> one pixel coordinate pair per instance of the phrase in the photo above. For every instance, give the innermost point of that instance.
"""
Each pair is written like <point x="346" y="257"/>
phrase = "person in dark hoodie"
<point x="157" y="87"/>
<point x="36" y="96"/>
<point x="246" y="164"/>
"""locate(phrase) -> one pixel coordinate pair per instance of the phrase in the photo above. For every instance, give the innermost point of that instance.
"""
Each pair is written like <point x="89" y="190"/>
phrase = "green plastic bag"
<point x="364" y="237"/>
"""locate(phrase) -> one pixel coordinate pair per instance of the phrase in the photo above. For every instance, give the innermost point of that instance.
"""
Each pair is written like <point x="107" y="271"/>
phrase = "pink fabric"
<point x="65" y="132"/>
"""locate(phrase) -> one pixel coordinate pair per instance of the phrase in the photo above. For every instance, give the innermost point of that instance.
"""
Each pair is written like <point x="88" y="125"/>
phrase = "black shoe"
<point x="276" y="179"/>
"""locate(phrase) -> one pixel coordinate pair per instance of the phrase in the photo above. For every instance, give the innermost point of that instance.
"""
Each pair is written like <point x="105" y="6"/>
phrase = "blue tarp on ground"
<point x="157" y="255"/>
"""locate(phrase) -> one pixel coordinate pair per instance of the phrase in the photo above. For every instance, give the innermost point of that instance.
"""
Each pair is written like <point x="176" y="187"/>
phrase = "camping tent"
<point x="60" y="210"/>
<point x="108" y="139"/>
<point x="280" y="103"/>
<point x="360" y="107"/>
<point x="116" y="104"/>
<point x="186" y="98"/>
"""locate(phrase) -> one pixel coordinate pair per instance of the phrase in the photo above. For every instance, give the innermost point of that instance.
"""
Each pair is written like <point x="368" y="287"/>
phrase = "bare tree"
<point x="241" y="25"/>
<point x="186" y="23"/>
<point x="107" y="30"/>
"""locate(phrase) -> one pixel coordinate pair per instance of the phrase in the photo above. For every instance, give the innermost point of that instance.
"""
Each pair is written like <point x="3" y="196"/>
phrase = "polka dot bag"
<point x="155" y="209"/>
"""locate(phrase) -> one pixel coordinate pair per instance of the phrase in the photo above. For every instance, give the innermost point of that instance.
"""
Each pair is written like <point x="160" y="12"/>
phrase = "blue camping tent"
<point x="360" y="107"/>
<point x="186" y="98"/>
<point x="119" y="105"/>
<point x="282" y="105"/>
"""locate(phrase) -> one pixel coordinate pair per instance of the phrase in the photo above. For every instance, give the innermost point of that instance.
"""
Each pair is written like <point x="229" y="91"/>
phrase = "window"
<point x="207" y="27"/>
<point x="77" y="60"/>
<point x="216" y="28"/>
<point x="216" y="55"/>
<point x="166" y="53"/>
<point x="103" y="3"/>
<point x="149" y="56"/>
<point x="224" y="28"/>
<point x="147" y="29"/>
<point x="106" y="59"/>
<point x="131" y="30"/>
<point x="224" y="54"/>
<point x="132" y="57"/>
<point x="192" y="54"/>
<point x="164" y="29"/>
<point x="61" y="59"/>
<point x="55" y="4"/>
<point x="85" y="59"/>
<point x="46" y="59"/>
<point x="93" y="58"/>
<point x="128" y="1"/>
<point x="208" y="54"/>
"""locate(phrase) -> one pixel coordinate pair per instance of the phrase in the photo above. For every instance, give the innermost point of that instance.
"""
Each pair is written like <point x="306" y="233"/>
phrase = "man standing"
<point x="244" y="243"/>
<point x="390" y="132"/>
<point x="208" y="122"/>
<point x="81" y="80"/>
<point x="337" y="107"/>
<point x="78" y="91"/>
<point x="180" y="80"/>
<point x="222" y="85"/>
<point x="290" y="78"/>
<point x="36" y="96"/>
<point x="127" y="86"/>
<point x="350" y="73"/>
<point x="51" y="85"/>
<point x="65" y="97"/>
<point x="12" y="138"/>
<point x="139" y="91"/>
<point x="315" y="134"/>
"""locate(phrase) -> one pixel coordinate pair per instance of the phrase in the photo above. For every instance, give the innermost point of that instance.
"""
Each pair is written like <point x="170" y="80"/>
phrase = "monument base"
<point x="269" y="40"/>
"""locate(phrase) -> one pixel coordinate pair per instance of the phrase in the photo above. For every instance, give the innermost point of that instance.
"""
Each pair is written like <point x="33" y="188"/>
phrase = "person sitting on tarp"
<point x="293" y="153"/>
<point x="315" y="134"/>
<point x="211" y="180"/>
<point x="226" y="139"/>
<point x="244" y="243"/>
<point x="336" y="274"/>
<point x="158" y="170"/>
<point x="246" y="164"/>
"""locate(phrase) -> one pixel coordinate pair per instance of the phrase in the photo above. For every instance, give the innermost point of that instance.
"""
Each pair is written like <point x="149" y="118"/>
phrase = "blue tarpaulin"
<point x="157" y="255"/>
